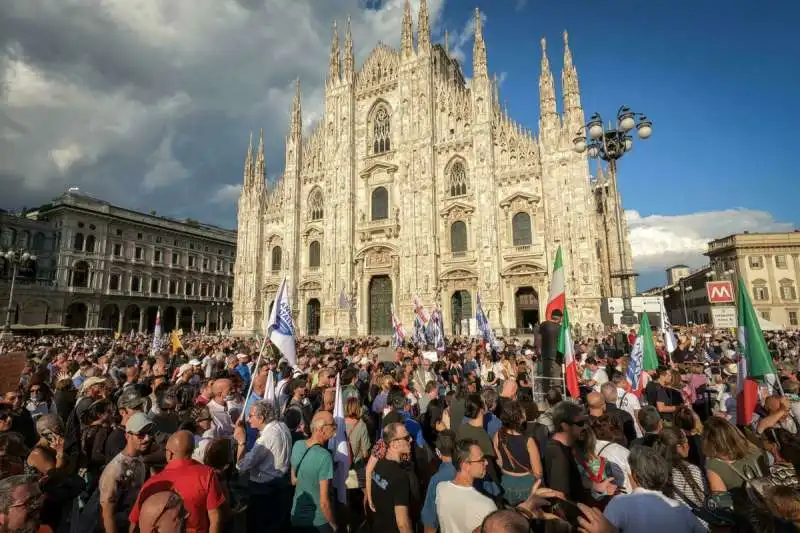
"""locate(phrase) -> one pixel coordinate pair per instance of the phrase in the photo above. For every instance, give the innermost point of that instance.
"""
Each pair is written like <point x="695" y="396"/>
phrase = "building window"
<point x="204" y="289"/>
<point x="158" y="239"/>
<point x="788" y="292"/>
<point x="136" y="284"/>
<point x="276" y="258"/>
<point x="313" y="254"/>
<point x="157" y="256"/>
<point x="521" y="229"/>
<point x="458" y="237"/>
<point x="192" y="260"/>
<point x="174" y="242"/>
<point x="113" y="282"/>
<point x="80" y="274"/>
<point x="139" y="236"/>
<point x="219" y="265"/>
<point x="780" y="261"/>
<point x="217" y="291"/>
<point x="77" y="243"/>
<point x="760" y="292"/>
<point x="315" y="205"/>
<point x="80" y="224"/>
<point x="139" y="253"/>
<point x="90" y="240"/>
<point x="119" y="233"/>
<point x="380" y="203"/>
<point x="230" y="268"/>
<point x="230" y="292"/>
<point x="205" y="263"/>
<point x="458" y="179"/>
<point x="792" y="318"/>
<point x="191" y="246"/>
<point x="756" y="261"/>
<point x="176" y="258"/>
<point x="173" y="286"/>
<point x="381" y="130"/>
<point x="189" y="288"/>
<point x="155" y="285"/>
<point x="764" y="314"/>
<point x="117" y="250"/>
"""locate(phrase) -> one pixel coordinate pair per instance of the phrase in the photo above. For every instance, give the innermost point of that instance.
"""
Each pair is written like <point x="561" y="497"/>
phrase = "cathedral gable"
<point x="378" y="168"/>
<point x="520" y="200"/>
<point x="523" y="268"/>
<point x="379" y="71"/>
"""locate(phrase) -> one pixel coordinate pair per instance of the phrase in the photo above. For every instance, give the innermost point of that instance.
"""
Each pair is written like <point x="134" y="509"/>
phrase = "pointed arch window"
<point x="458" y="237"/>
<point x="113" y="282"/>
<point x="315" y="205"/>
<point x="314" y="254"/>
<point x="381" y="131"/>
<point x="458" y="179"/>
<point x="380" y="203"/>
<point x="521" y="229"/>
<point x="277" y="254"/>
<point x="90" y="244"/>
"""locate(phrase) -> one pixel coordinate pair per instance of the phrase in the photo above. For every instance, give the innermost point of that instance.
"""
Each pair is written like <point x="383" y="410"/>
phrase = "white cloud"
<point x="226" y="194"/>
<point x="164" y="168"/>
<point x="658" y="241"/>
<point x="521" y="5"/>
<point x="458" y="41"/>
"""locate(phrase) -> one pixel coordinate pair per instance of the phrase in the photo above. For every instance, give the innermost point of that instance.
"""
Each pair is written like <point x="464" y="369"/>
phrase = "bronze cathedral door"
<point x="380" y="306"/>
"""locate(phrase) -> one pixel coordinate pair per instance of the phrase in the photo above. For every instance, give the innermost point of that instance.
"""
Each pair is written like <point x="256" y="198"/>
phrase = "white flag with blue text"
<point x="281" y="326"/>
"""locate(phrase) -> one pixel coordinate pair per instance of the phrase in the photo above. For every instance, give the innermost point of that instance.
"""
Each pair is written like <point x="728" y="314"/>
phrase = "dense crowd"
<point x="108" y="434"/>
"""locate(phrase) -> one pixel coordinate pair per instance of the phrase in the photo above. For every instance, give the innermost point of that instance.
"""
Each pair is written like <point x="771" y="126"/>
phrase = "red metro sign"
<point x="719" y="292"/>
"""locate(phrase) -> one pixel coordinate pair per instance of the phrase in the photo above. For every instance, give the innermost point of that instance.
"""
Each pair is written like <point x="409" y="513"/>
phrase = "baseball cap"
<point x="138" y="423"/>
<point x="130" y="399"/>
<point x="185" y="368"/>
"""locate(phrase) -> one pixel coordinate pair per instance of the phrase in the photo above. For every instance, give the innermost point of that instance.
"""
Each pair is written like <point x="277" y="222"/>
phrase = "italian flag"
<point x="566" y="346"/>
<point x="755" y="363"/>
<point x="556" y="295"/>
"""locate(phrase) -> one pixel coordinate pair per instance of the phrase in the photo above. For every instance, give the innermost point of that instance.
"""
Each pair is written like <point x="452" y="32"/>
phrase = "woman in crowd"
<point x="687" y="420"/>
<point x="358" y="438"/>
<point x="40" y="398"/>
<point x="730" y="457"/>
<point x="607" y="435"/>
<point x="593" y="468"/>
<point x="517" y="454"/>
<point x="686" y="483"/>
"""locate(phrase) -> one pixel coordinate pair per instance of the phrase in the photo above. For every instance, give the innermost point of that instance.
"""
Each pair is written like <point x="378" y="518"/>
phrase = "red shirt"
<point x="197" y="485"/>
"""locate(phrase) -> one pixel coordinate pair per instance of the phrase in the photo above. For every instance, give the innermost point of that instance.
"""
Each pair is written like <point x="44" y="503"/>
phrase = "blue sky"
<point x="148" y="104"/>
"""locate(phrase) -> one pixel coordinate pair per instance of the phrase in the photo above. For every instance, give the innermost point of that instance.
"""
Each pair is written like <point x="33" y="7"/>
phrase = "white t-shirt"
<point x="617" y="458"/>
<point x="629" y="403"/>
<point x="461" y="509"/>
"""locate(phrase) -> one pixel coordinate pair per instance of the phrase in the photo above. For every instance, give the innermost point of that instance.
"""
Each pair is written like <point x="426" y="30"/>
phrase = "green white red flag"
<point x="755" y="362"/>
<point x="566" y="346"/>
<point x="556" y="295"/>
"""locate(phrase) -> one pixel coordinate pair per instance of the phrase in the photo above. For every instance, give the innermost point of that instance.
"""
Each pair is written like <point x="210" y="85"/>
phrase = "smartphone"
<point x="569" y="509"/>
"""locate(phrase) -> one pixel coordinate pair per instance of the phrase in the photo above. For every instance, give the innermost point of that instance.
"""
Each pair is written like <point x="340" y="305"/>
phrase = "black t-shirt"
<point x="669" y="396"/>
<point x="391" y="487"/>
<point x="561" y="471"/>
<point x="651" y="392"/>
<point x="549" y="331"/>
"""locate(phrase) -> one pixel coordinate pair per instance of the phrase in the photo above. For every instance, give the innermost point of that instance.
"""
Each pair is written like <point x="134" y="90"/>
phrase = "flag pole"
<point x="255" y="369"/>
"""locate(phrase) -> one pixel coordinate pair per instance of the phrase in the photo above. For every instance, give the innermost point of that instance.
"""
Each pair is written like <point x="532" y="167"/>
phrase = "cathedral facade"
<point x="417" y="184"/>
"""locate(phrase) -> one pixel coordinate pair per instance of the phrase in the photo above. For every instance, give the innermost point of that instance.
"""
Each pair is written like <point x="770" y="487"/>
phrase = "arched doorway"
<point x="35" y="313"/>
<point x="460" y="308"/>
<point x="75" y="317"/>
<point x="169" y="319"/>
<point x="130" y="319"/>
<point x="526" y="307"/>
<point x="150" y="315"/>
<point x="185" y="320"/>
<point x="312" y="317"/>
<point x="380" y="305"/>
<point x="109" y="317"/>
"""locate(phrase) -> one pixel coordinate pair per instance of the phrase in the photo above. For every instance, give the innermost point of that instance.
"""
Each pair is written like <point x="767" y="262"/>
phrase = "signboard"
<point x="639" y="304"/>
<point x="719" y="292"/>
<point x="724" y="316"/>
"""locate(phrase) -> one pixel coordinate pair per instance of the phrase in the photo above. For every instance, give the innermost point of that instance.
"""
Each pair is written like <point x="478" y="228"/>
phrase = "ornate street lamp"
<point x="610" y="144"/>
<point x="683" y="289"/>
<point x="15" y="258"/>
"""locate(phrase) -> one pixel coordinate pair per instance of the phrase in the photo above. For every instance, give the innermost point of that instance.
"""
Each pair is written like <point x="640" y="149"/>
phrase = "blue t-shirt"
<point x="251" y="433"/>
<point x="446" y="472"/>
<point x="310" y="466"/>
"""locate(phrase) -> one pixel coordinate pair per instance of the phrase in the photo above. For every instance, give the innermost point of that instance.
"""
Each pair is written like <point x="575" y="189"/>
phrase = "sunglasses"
<point x="579" y="423"/>
<point x="142" y="434"/>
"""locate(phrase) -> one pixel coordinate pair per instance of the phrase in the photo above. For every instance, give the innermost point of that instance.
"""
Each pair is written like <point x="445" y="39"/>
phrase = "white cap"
<point x="194" y="362"/>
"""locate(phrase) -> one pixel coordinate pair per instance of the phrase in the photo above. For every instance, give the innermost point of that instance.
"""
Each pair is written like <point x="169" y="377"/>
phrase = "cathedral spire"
<point x="547" y="87"/>
<point x="348" y="54"/>
<point x="424" y="27"/>
<point x="297" y="117"/>
<point x="407" y="36"/>
<point x="260" y="169"/>
<point x="496" y="86"/>
<point x="569" y="79"/>
<point x="248" y="162"/>
<point x="446" y="44"/>
<point x="334" y="64"/>
<point x="479" y="69"/>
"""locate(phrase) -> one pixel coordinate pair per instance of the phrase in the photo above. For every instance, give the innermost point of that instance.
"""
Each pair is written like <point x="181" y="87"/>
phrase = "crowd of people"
<point x="108" y="434"/>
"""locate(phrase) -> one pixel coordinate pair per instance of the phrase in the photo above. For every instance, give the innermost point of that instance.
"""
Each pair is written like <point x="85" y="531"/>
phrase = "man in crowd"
<point x="391" y="490"/>
<point x="312" y="471"/>
<point x="218" y="406"/>
<point x="459" y="507"/>
<point x="20" y="505"/>
<point x="651" y="424"/>
<point x="445" y="445"/>
<point x="196" y="484"/>
<point x="549" y="331"/>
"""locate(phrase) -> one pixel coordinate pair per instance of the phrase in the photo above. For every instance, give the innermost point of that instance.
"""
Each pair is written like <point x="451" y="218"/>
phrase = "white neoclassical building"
<point x="414" y="183"/>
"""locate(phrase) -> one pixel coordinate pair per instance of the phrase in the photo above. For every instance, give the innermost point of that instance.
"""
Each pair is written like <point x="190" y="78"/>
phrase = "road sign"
<point x="719" y="292"/>
<point x="724" y="316"/>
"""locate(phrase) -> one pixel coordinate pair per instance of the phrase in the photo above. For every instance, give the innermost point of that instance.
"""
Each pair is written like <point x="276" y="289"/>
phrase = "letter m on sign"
<point x="719" y="292"/>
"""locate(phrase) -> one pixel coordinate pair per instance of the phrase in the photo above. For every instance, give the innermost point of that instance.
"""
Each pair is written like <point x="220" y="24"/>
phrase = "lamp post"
<point x="683" y="288"/>
<point x="15" y="258"/>
<point x="610" y="144"/>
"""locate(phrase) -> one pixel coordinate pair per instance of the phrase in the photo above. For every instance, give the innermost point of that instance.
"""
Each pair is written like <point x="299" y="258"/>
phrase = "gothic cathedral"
<point x="415" y="184"/>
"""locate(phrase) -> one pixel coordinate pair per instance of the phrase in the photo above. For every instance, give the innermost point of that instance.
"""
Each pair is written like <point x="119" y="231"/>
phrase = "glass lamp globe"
<point x="595" y="129"/>
<point x="26" y="256"/>
<point x="593" y="151"/>
<point x="579" y="144"/>
<point x="645" y="129"/>
<point x="626" y="121"/>
<point x="628" y="143"/>
<point x="33" y="257"/>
